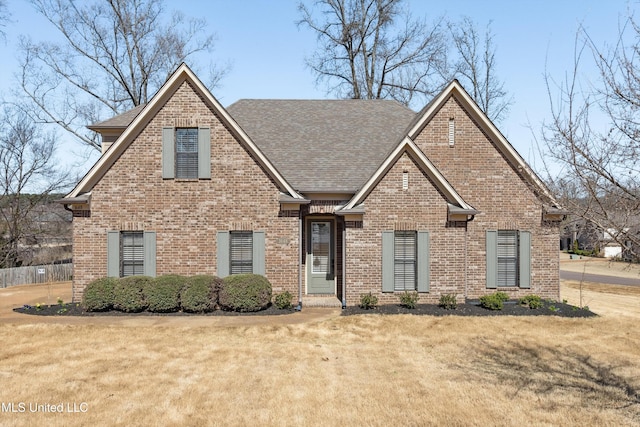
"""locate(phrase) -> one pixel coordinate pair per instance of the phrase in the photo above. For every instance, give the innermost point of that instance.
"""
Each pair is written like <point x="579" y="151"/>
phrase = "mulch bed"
<point x="472" y="308"/>
<point x="511" y="308"/>
<point x="77" y="310"/>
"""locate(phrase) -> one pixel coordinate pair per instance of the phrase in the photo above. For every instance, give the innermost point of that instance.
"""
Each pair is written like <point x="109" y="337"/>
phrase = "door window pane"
<point x="320" y="246"/>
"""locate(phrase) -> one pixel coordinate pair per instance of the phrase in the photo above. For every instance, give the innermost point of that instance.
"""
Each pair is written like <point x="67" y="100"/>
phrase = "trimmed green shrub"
<point x="368" y="301"/>
<point x="200" y="294"/>
<point x="284" y="300"/>
<point x="502" y="296"/>
<point x="98" y="295"/>
<point x="245" y="292"/>
<point x="533" y="301"/>
<point x="448" y="301"/>
<point x="494" y="301"/>
<point x="163" y="293"/>
<point x="409" y="299"/>
<point x="128" y="294"/>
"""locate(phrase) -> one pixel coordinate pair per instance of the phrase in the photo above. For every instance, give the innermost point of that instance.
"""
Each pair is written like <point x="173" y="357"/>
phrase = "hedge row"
<point x="171" y="293"/>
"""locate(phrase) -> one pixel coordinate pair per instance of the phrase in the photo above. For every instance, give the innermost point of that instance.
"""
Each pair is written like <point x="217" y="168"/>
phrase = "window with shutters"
<point x="507" y="274"/>
<point x="131" y="253"/>
<point x="241" y="252"/>
<point x="404" y="252"/>
<point x="187" y="153"/>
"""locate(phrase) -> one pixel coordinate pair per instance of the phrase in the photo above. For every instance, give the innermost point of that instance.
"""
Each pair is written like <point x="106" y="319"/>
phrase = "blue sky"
<point x="266" y="50"/>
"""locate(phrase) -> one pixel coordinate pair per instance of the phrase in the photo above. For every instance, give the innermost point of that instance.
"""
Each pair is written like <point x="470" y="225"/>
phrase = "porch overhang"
<point x="290" y="203"/>
<point x="457" y="213"/>
<point x="354" y="214"/>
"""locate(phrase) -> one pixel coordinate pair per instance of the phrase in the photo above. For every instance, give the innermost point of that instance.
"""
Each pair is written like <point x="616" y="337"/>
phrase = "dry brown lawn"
<point x="361" y="370"/>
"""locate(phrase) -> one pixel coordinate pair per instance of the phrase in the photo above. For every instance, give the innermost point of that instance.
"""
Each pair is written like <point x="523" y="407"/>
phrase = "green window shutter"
<point x="150" y="253"/>
<point x="258" y="253"/>
<point x="388" y="261"/>
<point x="524" y="258"/>
<point x="204" y="153"/>
<point x="113" y="253"/>
<point x="423" y="261"/>
<point x="222" y="253"/>
<point x="168" y="153"/>
<point x="492" y="259"/>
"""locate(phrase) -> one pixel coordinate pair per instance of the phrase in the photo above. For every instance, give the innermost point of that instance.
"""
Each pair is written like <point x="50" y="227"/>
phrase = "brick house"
<point x="325" y="198"/>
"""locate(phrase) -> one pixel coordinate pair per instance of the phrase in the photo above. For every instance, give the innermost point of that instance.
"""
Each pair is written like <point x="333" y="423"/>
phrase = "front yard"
<point x="354" y="370"/>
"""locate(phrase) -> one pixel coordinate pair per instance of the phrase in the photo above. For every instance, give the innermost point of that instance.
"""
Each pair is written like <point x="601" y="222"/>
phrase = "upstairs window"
<point x="187" y="153"/>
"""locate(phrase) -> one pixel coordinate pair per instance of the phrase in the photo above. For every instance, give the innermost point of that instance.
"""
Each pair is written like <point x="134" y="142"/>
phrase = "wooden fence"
<point x="35" y="274"/>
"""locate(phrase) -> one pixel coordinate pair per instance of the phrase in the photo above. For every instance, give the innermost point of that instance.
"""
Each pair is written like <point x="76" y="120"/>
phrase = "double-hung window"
<point x="405" y="261"/>
<point x="241" y="252"/>
<point x="404" y="254"/>
<point x="131" y="253"/>
<point x="508" y="258"/>
<point x="187" y="153"/>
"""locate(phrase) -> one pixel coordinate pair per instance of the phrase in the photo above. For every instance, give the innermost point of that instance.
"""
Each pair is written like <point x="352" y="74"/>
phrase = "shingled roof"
<point x="120" y="121"/>
<point x="324" y="145"/>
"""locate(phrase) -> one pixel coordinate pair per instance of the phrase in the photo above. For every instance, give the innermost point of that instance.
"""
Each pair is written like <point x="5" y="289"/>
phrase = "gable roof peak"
<point x="180" y="75"/>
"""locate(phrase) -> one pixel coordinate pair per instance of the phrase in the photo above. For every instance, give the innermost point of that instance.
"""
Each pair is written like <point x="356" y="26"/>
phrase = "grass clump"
<point x="409" y="299"/>
<point x="448" y="301"/>
<point x="494" y="301"/>
<point x="98" y="295"/>
<point x="162" y="295"/>
<point x="284" y="300"/>
<point x="128" y="293"/>
<point x="368" y="301"/>
<point x="200" y="294"/>
<point x="245" y="293"/>
<point x="532" y="301"/>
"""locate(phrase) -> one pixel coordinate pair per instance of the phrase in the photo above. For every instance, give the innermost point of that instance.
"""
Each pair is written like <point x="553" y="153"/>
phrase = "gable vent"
<point x="405" y="180"/>
<point x="452" y="132"/>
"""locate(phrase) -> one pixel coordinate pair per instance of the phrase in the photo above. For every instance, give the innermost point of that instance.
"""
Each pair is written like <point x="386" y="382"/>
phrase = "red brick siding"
<point x="484" y="178"/>
<point x="424" y="208"/>
<point x="185" y="214"/>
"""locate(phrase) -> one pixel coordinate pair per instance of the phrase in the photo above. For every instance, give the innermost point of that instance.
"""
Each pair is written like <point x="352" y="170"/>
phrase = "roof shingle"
<point x="324" y="145"/>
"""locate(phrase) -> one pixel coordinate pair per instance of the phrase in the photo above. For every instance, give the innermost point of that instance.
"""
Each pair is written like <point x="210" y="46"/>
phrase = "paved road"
<point x="598" y="278"/>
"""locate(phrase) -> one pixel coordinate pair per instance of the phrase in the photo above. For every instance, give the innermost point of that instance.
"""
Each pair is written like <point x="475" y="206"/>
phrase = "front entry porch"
<point x="323" y="260"/>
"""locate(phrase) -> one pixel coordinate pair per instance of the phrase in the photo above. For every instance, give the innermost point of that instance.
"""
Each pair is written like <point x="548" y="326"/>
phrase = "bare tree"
<point x="114" y="55"/>
<point x="475" y="67"/>
<point x="4" y="19"/>
<point x="28" y="176"/>
<point x="372" y="49"/>
<point x="594" y="138"/>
